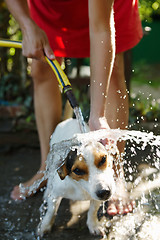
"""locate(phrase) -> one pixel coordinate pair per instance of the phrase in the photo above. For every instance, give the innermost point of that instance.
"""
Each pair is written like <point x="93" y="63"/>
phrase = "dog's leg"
<point x="48" y="219"/>
<point x="93" y="224"/>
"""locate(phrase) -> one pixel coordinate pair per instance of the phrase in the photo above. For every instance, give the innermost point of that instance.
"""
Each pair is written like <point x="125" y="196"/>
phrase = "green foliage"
<point x="10" y="87"/>
<point x="15" y="82"/>
<point x="144" y="73"/>
<point x="149" y="9"/>
<point x="141" y="109"/>
<point x="144" y="98"/>
<point x="144" y="109"/>
<point x="13" y="92"/>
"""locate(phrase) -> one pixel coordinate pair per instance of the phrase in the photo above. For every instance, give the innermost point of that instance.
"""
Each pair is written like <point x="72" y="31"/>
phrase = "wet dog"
<point x="77" y="170"/>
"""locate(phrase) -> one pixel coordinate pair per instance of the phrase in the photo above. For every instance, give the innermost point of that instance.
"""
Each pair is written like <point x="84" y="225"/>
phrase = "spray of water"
<point x="142" y="188"/>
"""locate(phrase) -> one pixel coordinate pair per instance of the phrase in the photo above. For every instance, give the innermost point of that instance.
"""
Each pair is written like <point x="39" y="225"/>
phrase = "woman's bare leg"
<point x="48" y="110"/>
<point x="117" y="113"/>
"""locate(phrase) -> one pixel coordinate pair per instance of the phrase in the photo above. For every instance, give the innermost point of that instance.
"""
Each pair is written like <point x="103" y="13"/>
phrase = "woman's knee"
<point x="41" y="71"/>
<point x="38" y="71"/>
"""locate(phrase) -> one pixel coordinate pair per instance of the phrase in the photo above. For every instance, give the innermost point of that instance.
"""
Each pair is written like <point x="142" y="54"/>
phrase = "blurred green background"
<point x="144" y="66"/>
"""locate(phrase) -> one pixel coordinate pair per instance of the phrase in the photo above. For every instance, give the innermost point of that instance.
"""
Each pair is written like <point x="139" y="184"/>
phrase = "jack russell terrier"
<point x="76" y="170"/>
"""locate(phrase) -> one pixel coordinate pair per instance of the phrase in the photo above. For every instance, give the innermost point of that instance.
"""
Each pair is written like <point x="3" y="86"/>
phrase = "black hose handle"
<point x="70" y="96"/>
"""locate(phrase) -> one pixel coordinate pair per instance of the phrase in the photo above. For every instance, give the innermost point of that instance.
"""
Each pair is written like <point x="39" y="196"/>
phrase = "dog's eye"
<point x="103" y="160"/>
<point x="79" y="172"/>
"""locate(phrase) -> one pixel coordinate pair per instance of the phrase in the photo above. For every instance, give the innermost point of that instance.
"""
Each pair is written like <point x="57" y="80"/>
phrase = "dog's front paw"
<point x="41" y="230"/>
<point x="43" y="227"/>
<point x="95" y="228"/>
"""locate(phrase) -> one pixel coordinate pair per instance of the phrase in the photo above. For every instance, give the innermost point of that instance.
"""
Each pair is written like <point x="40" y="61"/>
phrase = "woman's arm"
<point x="102" y="53"/>
<point x="35" y="42"/>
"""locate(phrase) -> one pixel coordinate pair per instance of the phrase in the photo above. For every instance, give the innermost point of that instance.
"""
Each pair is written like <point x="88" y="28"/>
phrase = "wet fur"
<point x="85" y="176"/>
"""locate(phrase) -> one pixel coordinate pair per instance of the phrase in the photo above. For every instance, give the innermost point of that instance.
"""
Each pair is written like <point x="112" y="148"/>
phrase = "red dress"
<point x="67" y="26"/>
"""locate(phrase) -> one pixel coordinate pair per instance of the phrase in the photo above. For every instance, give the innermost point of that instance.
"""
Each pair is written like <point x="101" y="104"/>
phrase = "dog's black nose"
<point x="103" y="194"/>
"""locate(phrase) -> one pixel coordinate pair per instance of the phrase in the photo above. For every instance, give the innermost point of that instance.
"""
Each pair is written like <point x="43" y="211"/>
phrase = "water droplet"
<point x="124" y="97"/>
<point x="130" y="177"/>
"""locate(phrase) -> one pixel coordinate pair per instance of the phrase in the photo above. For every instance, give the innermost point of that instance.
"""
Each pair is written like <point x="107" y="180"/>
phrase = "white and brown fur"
<point x="85" y="175"/>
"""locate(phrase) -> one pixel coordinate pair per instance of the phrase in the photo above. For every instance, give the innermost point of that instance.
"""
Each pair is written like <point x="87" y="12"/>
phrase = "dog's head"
<point x="92" y="168"/>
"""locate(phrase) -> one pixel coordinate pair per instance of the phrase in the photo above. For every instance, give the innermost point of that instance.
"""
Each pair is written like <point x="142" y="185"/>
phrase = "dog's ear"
<point x="65" y="169"/>
<point x="62" y="172"/>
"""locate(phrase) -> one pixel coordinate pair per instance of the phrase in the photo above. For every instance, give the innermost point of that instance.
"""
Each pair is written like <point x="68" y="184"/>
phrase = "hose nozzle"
<point x="70" y="96"/>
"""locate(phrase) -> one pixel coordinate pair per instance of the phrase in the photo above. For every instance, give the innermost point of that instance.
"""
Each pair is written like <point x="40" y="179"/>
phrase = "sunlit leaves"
<point x="12" y="51"/>
<point x="148" y="9"/>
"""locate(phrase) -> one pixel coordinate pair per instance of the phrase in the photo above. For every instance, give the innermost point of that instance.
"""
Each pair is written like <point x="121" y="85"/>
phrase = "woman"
<point x="70" y="28"/>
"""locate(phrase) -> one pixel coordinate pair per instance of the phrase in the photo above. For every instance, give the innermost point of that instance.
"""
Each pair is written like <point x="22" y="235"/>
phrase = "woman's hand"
<point x="35" y="42"/>
<point x="98" y="123"/>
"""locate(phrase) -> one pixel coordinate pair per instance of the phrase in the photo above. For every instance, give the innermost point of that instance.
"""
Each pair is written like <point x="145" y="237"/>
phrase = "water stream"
<point x="80" y="119"/>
